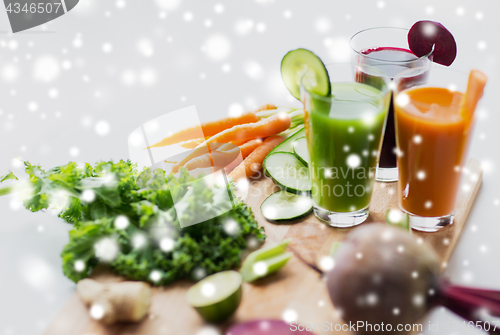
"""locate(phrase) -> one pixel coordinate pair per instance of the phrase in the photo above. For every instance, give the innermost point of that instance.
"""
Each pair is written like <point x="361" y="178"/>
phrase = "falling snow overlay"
<point x="74" y="89"/>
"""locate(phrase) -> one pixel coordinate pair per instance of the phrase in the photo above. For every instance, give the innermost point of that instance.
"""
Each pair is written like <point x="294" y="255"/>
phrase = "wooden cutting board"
<point x="294" y="290"/>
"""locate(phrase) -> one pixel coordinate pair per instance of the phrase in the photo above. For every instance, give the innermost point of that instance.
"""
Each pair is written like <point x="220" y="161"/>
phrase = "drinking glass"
<point x="387" y="49"/>
<point x="344" y="132"/>
<point x="433" y="133"/>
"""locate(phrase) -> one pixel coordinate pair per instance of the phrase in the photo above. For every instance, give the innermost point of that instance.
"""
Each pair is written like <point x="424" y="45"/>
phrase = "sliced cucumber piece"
<point x="288" y="172"/>
<point x="300" y="150"/>
<point x="301" y="63"/>
<point x="282" y="205"/>
<point x="216" y="297"/>
<point x="286" y="145"/>
<point x="265" y="261"/>
<point x="397" y="218"/>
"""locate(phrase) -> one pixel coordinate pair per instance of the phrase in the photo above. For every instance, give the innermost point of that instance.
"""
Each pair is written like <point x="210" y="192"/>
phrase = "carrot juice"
<point x="432" y="138"/>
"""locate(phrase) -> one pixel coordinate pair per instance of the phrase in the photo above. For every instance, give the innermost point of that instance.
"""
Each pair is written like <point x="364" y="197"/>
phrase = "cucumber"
<point x="300" y="63"/>
<point x="288" y="172"/>
<point x="282" y="205"/>
<point x="300" y="150"/>
<point x="287" y="145"/>
<point x="265" y="261"/>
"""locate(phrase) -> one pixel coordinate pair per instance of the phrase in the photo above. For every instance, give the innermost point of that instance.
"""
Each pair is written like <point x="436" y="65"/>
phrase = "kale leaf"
<point x="93" y="198"/>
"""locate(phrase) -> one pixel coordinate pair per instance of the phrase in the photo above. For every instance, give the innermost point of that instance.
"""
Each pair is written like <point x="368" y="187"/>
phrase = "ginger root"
<point x="115" y="302"/>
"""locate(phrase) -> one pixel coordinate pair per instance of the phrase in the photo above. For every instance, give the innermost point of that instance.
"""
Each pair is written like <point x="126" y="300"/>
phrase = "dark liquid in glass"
<point x="391" y="61"/>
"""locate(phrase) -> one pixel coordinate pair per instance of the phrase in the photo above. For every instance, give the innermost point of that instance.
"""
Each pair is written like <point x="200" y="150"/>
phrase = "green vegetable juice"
<point x="344" y="133"/>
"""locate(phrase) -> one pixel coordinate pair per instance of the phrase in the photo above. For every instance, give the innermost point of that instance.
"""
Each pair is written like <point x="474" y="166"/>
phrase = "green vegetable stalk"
<point x="127" y="219"/>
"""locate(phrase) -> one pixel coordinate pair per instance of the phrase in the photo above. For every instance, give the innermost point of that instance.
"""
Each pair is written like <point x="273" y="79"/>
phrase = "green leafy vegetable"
<point x="94" y="198"/>
<point x="8" y="176"/>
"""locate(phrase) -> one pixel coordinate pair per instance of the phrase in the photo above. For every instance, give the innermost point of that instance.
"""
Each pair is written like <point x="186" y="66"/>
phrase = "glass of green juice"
<point x="344" y="132"/>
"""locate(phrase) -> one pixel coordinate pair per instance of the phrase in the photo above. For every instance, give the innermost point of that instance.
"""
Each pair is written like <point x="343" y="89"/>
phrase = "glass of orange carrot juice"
<point x="433" y="122"/>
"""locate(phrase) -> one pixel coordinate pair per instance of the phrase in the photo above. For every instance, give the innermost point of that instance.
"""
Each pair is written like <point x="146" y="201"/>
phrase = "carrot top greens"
<point x="127" y="219"/>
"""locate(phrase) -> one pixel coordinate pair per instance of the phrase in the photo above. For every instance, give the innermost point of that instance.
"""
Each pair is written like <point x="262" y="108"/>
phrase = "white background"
<point x="75" y="88"/>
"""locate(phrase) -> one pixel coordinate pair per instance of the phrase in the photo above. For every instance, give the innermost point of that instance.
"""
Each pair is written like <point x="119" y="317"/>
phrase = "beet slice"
<point x="424" y="34"/>
<point x="265" y="327"/>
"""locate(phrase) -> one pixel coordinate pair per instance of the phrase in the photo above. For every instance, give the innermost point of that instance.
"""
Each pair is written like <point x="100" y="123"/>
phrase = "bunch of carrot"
<point x="253" y="134"/>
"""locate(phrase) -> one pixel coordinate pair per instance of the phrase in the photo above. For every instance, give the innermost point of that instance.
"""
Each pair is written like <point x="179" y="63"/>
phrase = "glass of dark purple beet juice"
<point x="387" y="49"/>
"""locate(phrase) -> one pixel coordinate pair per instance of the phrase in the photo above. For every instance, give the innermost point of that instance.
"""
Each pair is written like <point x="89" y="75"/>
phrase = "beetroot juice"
<point x="386" y="49"/>
<point x="395" y="61"/>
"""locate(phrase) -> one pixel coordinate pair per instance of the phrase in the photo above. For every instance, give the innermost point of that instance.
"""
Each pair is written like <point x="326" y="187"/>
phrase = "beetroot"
<point x="264" y="327"/>
<point x="425" y="34"/>
<point x="384" y="275"/>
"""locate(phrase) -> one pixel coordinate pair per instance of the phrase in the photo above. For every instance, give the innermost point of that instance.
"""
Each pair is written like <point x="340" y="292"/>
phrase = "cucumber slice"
<point x="216" y="297"/>
<point x="287" y="145"/>
<point x="265" y="261"/>
<point x="304" y="63"/>
<point x="300" y="150"/>
<point x="397" y="218"/>
<point x="282" y="205"/>
<point x="288" y="172"/>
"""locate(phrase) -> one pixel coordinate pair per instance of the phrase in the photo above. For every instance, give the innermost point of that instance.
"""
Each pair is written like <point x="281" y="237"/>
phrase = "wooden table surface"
<point x="295" y="289"/>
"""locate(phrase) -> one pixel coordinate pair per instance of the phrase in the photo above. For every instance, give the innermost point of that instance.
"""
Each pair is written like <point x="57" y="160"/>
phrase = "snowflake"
<point x="145" y="47"/>
<point x="208" y="290"/>
<point x="322" y="25"/>
<point x="289" y="315"/>
<point x="102" y="128"/>
<point x="219" y="8"/>
<point x="107" y="47"/>
<point x="46" y="68"/>
<point x="235" y="110"/>
<point x="167" y="244"/>
<point x="217" y="47"/>
<point x="254" y="70"/>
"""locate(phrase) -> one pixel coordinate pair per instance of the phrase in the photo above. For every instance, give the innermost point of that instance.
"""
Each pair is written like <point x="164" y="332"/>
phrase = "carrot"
<point x="209" y="129"/>
<point x="270" y="126"/>
<point x="474" y="92"/>
<point x="253" y="162"/>
<point x="238" y="142"/>
<point x="191" y="144"/>
<point x="265" y="107"/>
<point x="247" y="148"/>
<point x="214" y="158"/>
<point x="202" y="150"/>
<point x="223" y="156"/>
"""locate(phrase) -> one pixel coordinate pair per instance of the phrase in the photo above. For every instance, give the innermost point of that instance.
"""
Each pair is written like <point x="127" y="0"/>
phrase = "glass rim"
<point x="435" y="68"/>
<point x="382" y="75"/>
<point x="358" y="52"/>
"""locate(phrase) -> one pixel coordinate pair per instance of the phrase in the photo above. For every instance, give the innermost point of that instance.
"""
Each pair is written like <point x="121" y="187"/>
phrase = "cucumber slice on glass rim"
<point x="283" y="206"/>
<point x="216" y="297"/>
<point x="300" y="63"/>
<point x="288" y="172"/>
<point x="300" y="150"/>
